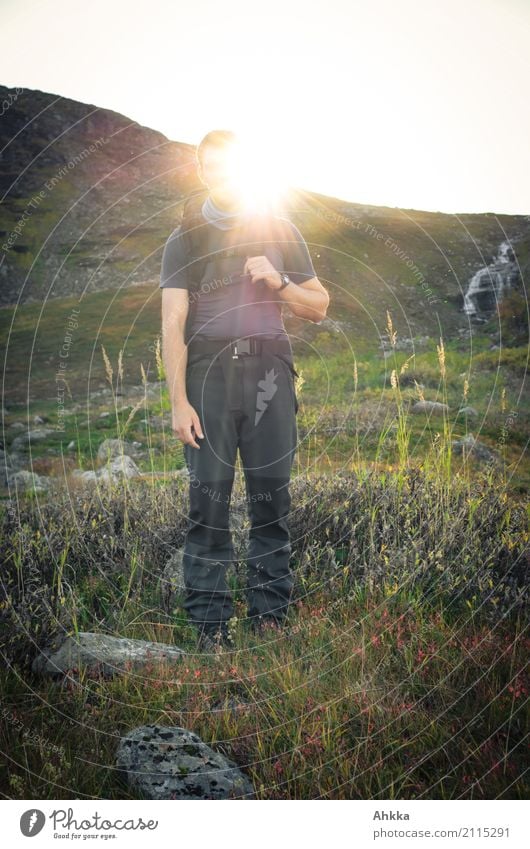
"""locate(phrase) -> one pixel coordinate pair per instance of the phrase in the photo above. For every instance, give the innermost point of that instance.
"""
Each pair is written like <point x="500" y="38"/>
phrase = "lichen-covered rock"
<point x="174" y="763"/>
<point x="102" y="653"/>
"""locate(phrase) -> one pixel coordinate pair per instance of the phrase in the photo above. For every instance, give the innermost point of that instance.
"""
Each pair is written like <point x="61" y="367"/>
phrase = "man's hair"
<point x="215" y="138"/>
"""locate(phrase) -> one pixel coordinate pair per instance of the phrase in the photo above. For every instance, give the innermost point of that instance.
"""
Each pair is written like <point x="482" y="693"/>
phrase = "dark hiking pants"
<point x="247" y="403"/>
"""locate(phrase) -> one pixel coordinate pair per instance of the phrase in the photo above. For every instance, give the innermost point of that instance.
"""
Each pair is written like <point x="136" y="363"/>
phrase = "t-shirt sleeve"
<point x="297" y="259"/>
<point x="173" y="274"/>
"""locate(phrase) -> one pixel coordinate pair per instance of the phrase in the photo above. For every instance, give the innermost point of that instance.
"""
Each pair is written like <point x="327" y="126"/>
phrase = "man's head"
<point x="216" y="167"/>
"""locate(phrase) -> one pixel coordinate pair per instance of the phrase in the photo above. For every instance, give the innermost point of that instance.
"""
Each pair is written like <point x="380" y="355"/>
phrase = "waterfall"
<point x="487" y="286"/>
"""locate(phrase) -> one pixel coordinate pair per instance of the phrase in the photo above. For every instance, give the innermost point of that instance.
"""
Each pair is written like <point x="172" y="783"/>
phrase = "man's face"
<point x="218" y="171"/>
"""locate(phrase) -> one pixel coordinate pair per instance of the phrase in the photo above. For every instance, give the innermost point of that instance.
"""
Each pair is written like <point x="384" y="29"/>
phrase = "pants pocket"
<point x="291" y="374"/>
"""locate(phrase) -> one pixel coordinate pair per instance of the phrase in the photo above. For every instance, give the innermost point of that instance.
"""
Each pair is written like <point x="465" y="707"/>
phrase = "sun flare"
<point x="255" y="169"/>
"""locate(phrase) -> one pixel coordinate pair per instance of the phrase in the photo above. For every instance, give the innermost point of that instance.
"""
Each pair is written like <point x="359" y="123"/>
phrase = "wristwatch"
<point x="285" y="281"/>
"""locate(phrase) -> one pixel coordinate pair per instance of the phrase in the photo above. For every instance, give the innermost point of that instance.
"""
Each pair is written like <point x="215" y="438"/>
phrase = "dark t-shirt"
<point x="226" y="303"/>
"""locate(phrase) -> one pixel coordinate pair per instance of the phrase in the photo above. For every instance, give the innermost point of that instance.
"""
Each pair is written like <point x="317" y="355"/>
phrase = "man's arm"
<point x="175" y="307"/>
<point x="306" y="295"/>
<point x="306" y="300"/>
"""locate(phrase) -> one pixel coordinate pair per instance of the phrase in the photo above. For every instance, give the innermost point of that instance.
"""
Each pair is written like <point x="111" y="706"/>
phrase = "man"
<point x="230" y="375"/>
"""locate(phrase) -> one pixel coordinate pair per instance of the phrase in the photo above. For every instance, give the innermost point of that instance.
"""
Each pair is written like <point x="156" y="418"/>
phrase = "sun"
<point x="256" y="169"/>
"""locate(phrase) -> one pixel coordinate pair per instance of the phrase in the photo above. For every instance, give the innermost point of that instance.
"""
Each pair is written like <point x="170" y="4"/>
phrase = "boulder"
<point x="174" y="763"/>
<point x="112" y="448"/>
<point x="101" y="653"/>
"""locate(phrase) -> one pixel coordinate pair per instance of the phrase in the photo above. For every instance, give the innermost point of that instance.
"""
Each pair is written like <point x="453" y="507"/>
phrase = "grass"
<point x="402" y="671"/>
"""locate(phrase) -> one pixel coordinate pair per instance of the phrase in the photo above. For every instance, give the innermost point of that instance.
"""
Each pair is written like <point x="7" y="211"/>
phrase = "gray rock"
<point x="430" y="407"/>
<point x="174" y="763"/>
<point x="17" y="426"/>
<point x="158" y="422"/>
<point x="471" y="446"/>
<point x="112" y="448"/>
<point x="121" y="468"/>
<point x="16" y="462"/>
<point x="5" y="460"/>
<point x="88" y="476"/>
<point x="102" y="653"/>
<point x="24" y="481"/>
<point x="468" y="411"/>
<point x="71" y="446"/>
<point x="22" y="442"/>
<point x="171" y="581"/>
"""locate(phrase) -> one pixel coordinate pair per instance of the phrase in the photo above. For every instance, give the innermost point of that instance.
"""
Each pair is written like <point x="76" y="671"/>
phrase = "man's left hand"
<point x="260" y="268"/>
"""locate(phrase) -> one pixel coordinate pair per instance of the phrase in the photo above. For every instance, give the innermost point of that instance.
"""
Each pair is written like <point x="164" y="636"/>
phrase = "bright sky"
<point x="419" y="104"/>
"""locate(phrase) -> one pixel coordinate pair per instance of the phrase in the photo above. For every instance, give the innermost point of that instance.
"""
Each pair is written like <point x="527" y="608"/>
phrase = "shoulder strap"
<point x="258" y="231"/>
<point x="194" y="231"/>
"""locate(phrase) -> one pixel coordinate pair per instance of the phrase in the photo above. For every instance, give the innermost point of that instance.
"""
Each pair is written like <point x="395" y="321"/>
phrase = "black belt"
<point x="246" y="345"/>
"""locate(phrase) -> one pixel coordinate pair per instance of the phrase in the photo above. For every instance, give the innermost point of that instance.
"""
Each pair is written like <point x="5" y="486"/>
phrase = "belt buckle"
<point x="241" y="346"/>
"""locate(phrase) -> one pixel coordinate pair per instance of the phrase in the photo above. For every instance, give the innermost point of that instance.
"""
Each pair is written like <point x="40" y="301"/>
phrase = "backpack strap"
<point x="195" y="232"/>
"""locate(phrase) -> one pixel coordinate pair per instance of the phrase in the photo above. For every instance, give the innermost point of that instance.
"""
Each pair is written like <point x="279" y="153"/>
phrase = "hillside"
<point x="90" y="196"/>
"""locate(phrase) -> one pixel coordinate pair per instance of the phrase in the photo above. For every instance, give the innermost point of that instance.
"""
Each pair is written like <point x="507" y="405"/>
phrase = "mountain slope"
<point x="89" y="198"/>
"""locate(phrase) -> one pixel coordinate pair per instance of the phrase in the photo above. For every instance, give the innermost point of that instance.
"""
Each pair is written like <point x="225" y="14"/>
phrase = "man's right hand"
<point x="186" y="424"/>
